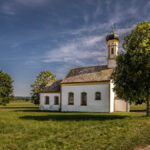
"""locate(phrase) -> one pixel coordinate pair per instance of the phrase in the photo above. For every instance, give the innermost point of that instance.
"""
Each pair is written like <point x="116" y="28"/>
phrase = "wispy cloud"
<point x="98" y="11"/>
<point x="89" y="28"/>
<point x="114" y="18"/>
<point x="11" y="7"/>
<point x="31" y="2"/>
<point x="77" y="51"/>
<point x="82" y="49"/>
<point x="8" y="8"/>
<point x="125" y="30"/>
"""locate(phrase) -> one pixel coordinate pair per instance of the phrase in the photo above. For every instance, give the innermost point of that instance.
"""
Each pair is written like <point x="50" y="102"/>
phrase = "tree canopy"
<point x="41" y="80"/>
<point x="6" y="88"/>
<point x="131" y="77"/>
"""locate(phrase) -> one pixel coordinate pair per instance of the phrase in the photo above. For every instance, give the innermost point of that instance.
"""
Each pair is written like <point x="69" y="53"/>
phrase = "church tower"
<point x="112" y="40"/>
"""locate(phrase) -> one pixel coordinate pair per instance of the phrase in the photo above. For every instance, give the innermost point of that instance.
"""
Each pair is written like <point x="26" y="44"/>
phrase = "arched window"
<point x="56" y="100"/>
<point x="98" y="96"/>
<point x="83" y="99"/>
<point x="70" y="98"/>
<point x="46" y="100"/>
<point x="112" y="50"/>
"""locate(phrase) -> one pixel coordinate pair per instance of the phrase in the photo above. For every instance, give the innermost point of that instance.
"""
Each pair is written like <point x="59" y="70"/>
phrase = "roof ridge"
<point x="88" y="66"/>
<point x="51" y="82"/>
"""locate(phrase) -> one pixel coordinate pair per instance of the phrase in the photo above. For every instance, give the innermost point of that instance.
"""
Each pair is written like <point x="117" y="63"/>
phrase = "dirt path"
<point x="146" y="148"/>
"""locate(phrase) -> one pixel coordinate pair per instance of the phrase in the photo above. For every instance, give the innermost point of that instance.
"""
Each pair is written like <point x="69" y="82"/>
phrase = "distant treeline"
<point x="27" y="98"/>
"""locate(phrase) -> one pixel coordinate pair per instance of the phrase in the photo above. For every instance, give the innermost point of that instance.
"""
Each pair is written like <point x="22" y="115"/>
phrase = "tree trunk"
<point x="148" y="105"/>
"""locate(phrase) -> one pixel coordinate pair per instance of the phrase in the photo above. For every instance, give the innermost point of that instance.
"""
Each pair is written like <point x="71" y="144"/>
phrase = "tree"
<point x="131" y="77"/>
<point x="42" y="79"/>
<point x="6" y="88"/>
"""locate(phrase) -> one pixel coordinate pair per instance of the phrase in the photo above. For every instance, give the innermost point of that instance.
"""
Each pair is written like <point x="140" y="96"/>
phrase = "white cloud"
<point x="76" y="51"/>
<point x="82" y="51"/>
<point x="90" y="41"/>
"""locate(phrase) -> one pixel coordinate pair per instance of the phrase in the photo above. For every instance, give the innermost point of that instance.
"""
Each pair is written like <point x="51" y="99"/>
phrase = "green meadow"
<point x="24" y="127"/>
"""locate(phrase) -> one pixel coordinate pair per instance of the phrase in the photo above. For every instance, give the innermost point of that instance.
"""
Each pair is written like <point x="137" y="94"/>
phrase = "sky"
<point x="57" y="35"/>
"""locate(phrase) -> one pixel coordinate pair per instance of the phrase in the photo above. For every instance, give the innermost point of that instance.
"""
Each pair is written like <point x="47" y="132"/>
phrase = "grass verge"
<point x="24" y="127"/>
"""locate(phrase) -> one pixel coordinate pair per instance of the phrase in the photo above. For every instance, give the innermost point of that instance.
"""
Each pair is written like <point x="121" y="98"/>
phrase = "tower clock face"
<point x="112" y="43"/>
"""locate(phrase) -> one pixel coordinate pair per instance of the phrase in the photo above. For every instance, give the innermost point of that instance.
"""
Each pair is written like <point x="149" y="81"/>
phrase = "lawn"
<point x="24" y="127"/>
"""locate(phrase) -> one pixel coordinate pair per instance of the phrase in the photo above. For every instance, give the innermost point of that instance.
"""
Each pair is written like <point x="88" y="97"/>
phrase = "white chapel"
<point x="86" y="89"/>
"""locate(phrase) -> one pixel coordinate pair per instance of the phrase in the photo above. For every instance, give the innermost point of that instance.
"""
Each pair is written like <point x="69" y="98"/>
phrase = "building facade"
<point x="86" y="89"/>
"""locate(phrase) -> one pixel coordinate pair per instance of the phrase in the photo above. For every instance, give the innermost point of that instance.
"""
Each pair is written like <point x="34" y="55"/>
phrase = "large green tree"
<point x="132" y="74"/>
<point x="6" y="88"/>
<point x="41" y="80"/>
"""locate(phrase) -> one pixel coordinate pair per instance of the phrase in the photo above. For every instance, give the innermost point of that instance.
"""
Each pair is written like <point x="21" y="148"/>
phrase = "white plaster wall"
<point x="128" y="106"/>
<point x="51" y="105"/>
<point x="120" y="105"/>
<point x="111" y="63"/>
<point x="112" y="96"/>
<point x="92" y="104"/>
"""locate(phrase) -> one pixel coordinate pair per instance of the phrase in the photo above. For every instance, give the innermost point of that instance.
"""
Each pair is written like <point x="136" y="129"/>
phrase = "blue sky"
<point x="56" y="35"/>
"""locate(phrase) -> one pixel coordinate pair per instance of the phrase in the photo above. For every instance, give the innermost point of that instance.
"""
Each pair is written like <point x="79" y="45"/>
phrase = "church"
<point x="86" y="89"/>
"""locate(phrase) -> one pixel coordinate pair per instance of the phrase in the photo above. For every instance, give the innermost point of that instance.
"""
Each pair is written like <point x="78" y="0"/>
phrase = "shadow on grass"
<point x="35" y="110"/>
<point x="7" y="107"/>
<point x="137" y="110"/>
<point x="30" y="110"/>
<point x="73" y="117"/>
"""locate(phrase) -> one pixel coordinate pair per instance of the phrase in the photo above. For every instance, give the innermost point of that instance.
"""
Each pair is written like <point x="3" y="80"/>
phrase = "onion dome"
<point x="112" y="35"/>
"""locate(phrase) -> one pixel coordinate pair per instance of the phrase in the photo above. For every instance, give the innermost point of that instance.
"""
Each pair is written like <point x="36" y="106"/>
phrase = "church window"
<point x="70" y="98"/>
<point x="83" y="99"/>
<point x="112" y="50"/>
<point x="56" y="100"/>
<point x="98" y="96"/>
<point x="46" y="100"/>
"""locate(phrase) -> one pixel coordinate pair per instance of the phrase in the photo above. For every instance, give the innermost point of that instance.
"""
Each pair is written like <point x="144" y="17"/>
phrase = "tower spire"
<point x="112" y="27"/>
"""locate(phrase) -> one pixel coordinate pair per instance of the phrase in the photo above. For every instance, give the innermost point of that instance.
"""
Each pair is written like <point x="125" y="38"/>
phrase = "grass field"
<point x="24" y="127"/>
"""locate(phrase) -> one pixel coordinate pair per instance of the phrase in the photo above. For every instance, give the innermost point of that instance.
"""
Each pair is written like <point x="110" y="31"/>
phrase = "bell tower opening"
<point x="112" y="40"/>
<point x="112" y="51"/>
